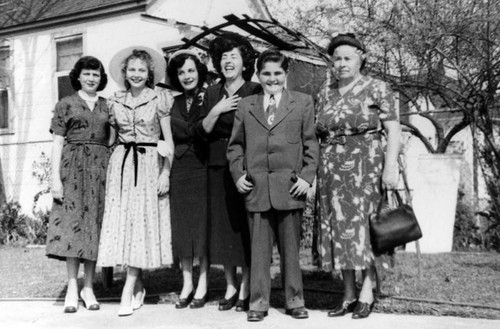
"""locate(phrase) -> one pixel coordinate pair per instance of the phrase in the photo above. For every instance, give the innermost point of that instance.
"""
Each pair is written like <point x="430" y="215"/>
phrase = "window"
<point x="4" y="88"/>
<point x="68" y="51"/>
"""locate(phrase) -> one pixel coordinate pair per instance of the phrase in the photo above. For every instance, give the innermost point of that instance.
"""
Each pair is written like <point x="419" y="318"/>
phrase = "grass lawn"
<point x="451" y="284"/>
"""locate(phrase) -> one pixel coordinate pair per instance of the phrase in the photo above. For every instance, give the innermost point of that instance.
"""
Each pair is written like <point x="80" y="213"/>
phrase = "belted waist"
<point x="136" y="148"/>
<point x="86" y="142"/>
<point x="339" y="137"/>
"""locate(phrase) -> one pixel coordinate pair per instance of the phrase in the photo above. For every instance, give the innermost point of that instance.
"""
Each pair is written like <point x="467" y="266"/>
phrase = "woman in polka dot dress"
<point x="136" y="224"/>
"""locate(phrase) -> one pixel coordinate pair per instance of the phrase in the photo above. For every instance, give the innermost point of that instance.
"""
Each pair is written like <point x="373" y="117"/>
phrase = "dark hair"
<point x="87" y="63"/>
<point x="348" y="39"/>
<point x="227" y="42"/>
<point x="146" y="58"/>
<point x="272" y="55"/>
<point x="177" y="62"/>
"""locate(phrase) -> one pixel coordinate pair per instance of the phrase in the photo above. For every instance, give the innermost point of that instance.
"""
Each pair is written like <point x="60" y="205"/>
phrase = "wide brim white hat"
<point x="118" y="61"/>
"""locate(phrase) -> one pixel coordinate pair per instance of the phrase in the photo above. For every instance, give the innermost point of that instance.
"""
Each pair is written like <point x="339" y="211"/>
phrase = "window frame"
<point x="58" y="74"/>
<point x="8" y="73"/>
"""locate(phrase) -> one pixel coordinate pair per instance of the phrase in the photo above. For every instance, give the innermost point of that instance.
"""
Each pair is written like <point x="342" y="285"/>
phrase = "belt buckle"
<point x="337" y="140"/>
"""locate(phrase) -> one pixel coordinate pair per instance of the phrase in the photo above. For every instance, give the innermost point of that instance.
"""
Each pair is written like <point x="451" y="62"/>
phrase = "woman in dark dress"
<point x="188" y="176"/>
<point x="79" y="160"/>
<point x="229" y="240"/>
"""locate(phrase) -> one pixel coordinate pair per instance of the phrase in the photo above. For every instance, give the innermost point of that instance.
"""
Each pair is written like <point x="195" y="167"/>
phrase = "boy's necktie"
<point x="271" y="110"/>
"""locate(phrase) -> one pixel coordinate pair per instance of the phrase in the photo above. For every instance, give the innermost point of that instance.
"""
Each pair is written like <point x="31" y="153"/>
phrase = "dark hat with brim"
<point x="345" y="39"/>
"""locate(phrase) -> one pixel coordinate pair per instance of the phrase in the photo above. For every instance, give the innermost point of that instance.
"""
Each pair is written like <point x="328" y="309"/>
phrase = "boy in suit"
<point x="273" y="156"/>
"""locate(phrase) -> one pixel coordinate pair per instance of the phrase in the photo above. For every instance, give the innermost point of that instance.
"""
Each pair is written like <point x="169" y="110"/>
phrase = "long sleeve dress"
<point x="75" y="224"/>
<point x="229" y="237"/>
<point x="188" y="182"/>
<point x="136" y="224"/>
<point x="349" y="175"/>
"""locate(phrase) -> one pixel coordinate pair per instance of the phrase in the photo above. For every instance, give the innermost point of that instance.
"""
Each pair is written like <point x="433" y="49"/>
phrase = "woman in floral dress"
<point x="79" y="159"/>
<point x="136" y="225"/>
<point x="352" y="114"/>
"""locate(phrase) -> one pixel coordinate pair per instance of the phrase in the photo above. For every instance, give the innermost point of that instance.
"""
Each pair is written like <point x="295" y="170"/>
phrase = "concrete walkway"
<point x="49" y="314"/>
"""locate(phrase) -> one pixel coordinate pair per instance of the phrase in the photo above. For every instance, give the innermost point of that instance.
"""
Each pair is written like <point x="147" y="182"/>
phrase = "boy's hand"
<point x="300" y="188"/>
<point x="243" y="186"/>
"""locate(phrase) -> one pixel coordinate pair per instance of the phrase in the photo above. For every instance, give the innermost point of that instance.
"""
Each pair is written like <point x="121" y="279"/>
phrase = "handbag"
<point x="390" y="228"/>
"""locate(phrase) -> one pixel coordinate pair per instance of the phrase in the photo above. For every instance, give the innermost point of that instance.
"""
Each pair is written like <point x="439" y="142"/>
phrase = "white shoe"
<point x="137" y="303"/>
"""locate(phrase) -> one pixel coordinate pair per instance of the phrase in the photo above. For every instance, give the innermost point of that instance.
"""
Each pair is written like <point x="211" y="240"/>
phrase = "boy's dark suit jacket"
<point x="272" y="155"/>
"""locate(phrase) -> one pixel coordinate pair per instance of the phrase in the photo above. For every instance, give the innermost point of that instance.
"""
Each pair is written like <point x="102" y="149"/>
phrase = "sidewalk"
<point x="49" y="314"/>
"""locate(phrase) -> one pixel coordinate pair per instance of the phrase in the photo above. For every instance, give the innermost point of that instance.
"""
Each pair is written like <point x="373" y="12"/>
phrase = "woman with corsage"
<point x="188" y="187"/>
<point x="136" y="225"/>
<point x="233" y="58"/>
<point x="356" y="162"/>
<point x="79" y="160"/>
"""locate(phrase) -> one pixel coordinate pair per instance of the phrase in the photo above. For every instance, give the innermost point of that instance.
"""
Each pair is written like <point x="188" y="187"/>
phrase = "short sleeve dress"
<point x="136" y="224"/>
<point x="349" y="175"/>
<point x="75" y="224"/>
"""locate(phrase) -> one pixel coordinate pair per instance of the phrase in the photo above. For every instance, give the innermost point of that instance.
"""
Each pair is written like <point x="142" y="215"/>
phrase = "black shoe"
<point x="184" y="302"/>
<point x="198" y="302"/>
<point x="227" y="304"/>
<point x="298" y="313"/>
<point x="362" y="310"/>
<point x="243" y="305"/>
<point x="343" y="309"/>
<point x="255" y="316"/>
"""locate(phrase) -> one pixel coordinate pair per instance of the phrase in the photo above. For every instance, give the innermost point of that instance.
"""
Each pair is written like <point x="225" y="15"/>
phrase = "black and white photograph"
<point x="250" y="164"/>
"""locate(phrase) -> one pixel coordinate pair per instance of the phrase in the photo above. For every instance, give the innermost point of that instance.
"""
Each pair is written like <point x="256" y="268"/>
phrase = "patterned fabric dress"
<point x="350" y="170"/>
<point x="75" y="224"/>
<point x="136" y="224"/>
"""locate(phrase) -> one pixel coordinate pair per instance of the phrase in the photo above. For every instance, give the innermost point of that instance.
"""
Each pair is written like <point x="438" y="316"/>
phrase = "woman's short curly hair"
<point x="227" y="42"/>
<point x="87" y="63"/>
<point x="177" y="62"/>
<point x="146" y="58"/>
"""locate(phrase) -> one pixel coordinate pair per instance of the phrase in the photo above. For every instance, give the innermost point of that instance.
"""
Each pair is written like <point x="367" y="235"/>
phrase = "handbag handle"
<point x="384" y="199"/>
<point x="398" y="198"/>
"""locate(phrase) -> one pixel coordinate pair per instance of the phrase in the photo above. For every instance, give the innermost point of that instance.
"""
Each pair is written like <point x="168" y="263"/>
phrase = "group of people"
<point x="217" y="174"/>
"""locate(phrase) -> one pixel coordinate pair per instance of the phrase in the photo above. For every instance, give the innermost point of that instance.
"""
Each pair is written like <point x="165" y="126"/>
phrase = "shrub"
<point x="14" y="226"/>
<point x="490" y="230"/>
<point x="475" y="235"/>
<point x="38" y="227"/>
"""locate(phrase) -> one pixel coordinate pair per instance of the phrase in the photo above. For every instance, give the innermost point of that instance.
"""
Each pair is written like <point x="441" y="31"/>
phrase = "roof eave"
<point x="87" y="15"/>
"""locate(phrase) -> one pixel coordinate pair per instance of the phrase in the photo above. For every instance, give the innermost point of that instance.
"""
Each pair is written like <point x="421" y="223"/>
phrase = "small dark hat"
<point x="345" y="39"/>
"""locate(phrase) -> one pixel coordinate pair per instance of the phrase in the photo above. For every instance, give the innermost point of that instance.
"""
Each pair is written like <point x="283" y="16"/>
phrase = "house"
<point x="41" y="40"/>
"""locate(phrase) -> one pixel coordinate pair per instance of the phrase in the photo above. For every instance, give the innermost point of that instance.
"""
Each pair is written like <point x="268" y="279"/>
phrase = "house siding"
<point x="35" y="90"/>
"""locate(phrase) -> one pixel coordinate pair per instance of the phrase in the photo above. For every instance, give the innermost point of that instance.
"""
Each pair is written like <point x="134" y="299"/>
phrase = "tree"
<point x="445" y="53"/>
